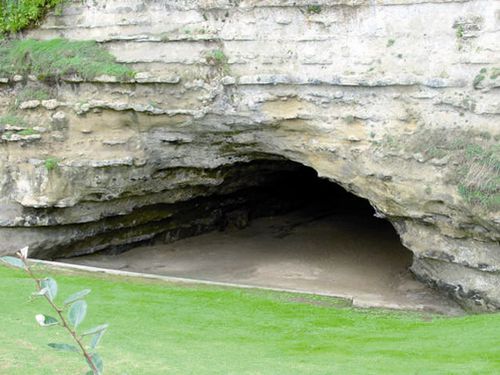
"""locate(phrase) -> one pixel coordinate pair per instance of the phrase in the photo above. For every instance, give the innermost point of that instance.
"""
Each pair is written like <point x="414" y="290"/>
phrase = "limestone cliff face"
<point x="397" y="101"/>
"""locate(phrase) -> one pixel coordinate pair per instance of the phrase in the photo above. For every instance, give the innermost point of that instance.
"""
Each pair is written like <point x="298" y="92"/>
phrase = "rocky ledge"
<point x="382" y="99"/>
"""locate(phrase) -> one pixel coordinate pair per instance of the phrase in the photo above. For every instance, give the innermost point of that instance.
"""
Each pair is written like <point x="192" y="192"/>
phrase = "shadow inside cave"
<point x="291" y="230"/>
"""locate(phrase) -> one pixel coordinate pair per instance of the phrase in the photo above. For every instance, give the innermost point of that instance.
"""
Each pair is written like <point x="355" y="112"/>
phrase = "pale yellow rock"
<point x="375" y="96"/>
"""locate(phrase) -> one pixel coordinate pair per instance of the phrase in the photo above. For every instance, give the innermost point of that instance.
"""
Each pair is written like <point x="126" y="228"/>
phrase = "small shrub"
<point x="51" y="164"/>
<point x="16" y="15"/>
<point x="219" y="59"/>
<point x="314" y="9"/>
<point x="68" y="315"/>
<point x="477" y="80"/>
<point x="390" y="42"/>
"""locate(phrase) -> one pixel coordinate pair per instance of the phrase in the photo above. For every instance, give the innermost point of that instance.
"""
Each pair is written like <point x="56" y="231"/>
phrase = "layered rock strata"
<point x="397" y="101"/>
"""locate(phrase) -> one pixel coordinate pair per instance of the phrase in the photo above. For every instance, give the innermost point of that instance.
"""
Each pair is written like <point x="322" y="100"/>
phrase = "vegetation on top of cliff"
<point x="52" y="59"/>
<point x="16" y="15"/>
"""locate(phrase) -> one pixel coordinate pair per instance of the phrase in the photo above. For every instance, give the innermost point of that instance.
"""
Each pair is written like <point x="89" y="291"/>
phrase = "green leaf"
<point x="64" y="347"/>
<point x="45" y="320"/>
<point x="75" y="297"/>
<point x="51" y="286"/>
<point x="97" y="333"/>
<point x="96" y="339"/>
<point x="77" y="313"/>
<point x="13" y="261"/>
<point x="95" y="330"/>
<point x="97" y="361"/>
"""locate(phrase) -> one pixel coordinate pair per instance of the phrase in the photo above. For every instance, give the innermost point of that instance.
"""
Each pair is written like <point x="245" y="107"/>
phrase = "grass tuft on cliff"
<point x="473" y="159"/>
<point x="16" y="15"/>
<point x="52" y="59"/>
<point x="480" y="175"/>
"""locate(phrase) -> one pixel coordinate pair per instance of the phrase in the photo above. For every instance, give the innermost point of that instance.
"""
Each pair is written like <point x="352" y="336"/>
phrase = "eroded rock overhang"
<point x="395" y="105"/>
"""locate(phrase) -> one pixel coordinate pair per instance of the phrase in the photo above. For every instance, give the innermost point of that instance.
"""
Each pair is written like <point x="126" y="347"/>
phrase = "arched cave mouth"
<point x="275" y="223"/>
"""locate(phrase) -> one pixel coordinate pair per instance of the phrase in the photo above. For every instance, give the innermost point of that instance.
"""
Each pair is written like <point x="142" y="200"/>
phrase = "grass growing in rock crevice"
<point x="479" y="175"/>
<point x="473" y="159"/>
<point x="13" y="120"/>
<point x="33" y="93"/>
<point x="55" y="58"/>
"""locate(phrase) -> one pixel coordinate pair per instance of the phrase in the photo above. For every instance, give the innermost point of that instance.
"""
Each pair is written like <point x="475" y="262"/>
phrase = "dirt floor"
<point x="347" y="255"/>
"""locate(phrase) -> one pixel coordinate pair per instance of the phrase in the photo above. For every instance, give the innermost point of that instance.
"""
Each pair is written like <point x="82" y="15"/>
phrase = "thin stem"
<point x="64" y="323"/>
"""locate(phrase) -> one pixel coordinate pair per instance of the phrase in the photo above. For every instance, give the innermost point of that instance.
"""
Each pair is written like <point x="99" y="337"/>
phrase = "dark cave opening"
<point x="280" y="187"/>
<point x="274" y="224"/>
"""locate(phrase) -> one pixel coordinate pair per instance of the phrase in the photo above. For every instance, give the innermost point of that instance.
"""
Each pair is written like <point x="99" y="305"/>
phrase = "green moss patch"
<point x="55" y="58"/>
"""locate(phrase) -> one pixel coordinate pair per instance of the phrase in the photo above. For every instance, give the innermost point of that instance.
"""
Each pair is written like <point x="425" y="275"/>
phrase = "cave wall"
<point x="397" y="101"/>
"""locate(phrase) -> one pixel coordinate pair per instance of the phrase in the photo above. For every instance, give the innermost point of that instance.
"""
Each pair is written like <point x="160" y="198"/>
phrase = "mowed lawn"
<point x="161" y="328"/>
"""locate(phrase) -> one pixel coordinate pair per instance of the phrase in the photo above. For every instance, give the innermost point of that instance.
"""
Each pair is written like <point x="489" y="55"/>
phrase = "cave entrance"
<point x="275" y="223"/>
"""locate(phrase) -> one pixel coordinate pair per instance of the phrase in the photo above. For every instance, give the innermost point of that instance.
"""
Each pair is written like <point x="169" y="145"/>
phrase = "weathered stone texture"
<point x="381" y="97"/>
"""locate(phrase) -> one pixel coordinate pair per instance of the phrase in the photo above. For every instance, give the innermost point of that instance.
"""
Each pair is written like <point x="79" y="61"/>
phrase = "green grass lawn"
<point x="161" y="328"/>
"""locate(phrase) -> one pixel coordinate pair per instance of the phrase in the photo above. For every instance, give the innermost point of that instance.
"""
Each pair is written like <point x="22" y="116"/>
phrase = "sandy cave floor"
<point x="346" y="255"/>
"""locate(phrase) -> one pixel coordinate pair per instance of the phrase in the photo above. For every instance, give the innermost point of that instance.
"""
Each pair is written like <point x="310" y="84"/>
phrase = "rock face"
<point x="397" y="101"/>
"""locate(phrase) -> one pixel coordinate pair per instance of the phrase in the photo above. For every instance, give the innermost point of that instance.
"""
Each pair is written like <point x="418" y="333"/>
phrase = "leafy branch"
<point x="69" y="316"/>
